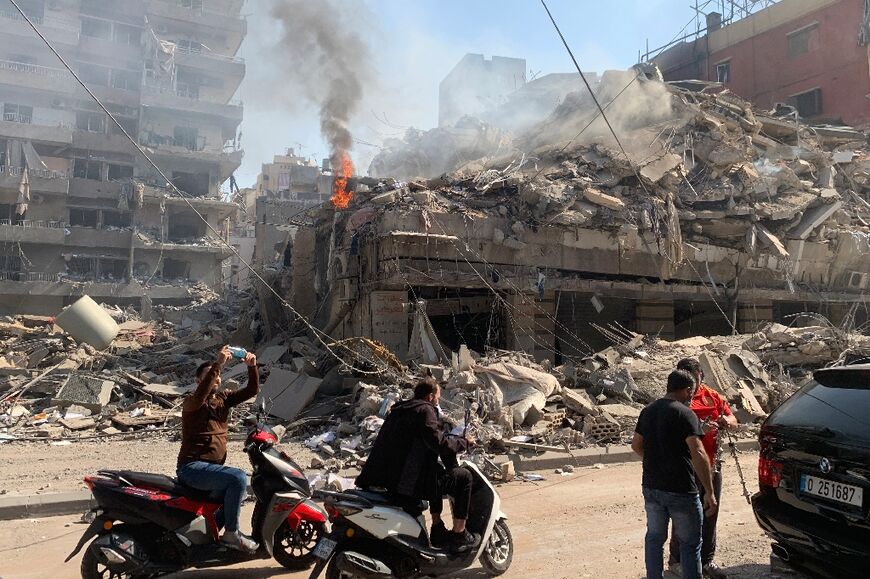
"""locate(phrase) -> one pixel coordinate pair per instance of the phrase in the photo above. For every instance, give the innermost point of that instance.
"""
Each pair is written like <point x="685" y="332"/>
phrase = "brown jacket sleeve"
<point x="251" y="389"/>
<point x="205" y="388"/>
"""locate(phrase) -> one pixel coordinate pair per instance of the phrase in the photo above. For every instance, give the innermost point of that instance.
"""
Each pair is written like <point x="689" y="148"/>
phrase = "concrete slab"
<point x="20" y="507"/>
<point x="286" y="393"/>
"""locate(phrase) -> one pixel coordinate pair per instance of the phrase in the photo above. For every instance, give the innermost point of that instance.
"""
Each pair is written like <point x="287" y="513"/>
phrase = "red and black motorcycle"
<point x="147" y="525"/>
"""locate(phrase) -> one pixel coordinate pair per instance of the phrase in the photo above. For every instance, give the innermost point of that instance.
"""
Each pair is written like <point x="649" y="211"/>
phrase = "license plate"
<point x="324" y="548"/>
<point x="832" y="490"/>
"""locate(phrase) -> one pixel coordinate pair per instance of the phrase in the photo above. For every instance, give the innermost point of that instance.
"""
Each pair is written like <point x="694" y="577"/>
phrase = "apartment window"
<point x="112" y="268"/>
<point x="803" y="41"/>
<point x="11" y="263"/>
<point x="190" y="46"/>
<point x="93" y="74"/>
<point x="186" y="137"/>
<point x="17" y="113"/>
<point x="192" y="183"/>
<point x="125" y="34"/>
<point x="86" y="169"/>
<point x="130" y="125"/>
<point x="91" y="122"/>
<point x="116" y="218"/>
<point x="191" y="4"/>
<point x="187" y="90"/>
<point x="723" y="72"/>
<point x="808" y="104"/>
<point x="81" y="266"/>
<point x="81" y="217"/>
<point x="125" y="79"/>
<point x="96" y="28"/>
<point x="175" y="269"/>
<point x="120" y="172"/>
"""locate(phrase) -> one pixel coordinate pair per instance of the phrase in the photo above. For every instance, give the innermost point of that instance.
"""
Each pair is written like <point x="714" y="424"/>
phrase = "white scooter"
<point x="372" y="537"/>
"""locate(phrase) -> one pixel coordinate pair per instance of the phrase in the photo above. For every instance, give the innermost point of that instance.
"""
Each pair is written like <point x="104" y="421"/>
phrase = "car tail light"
<point x="769" y="472"/>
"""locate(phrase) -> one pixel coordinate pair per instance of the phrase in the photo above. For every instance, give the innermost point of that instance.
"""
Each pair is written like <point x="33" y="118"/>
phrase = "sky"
<point x="415" y="43"/>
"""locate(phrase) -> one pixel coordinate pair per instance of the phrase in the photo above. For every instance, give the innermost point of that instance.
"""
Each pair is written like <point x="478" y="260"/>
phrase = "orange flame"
<point x="341" y="196"/>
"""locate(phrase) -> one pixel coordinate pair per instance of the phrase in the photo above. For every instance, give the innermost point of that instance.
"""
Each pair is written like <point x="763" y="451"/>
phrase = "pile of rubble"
<point x="703" y="167"/>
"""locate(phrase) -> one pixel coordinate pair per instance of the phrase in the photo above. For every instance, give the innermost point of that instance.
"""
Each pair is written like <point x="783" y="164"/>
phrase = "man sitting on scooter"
<point x="204" y="416"/>
<point x="404" y="461"/>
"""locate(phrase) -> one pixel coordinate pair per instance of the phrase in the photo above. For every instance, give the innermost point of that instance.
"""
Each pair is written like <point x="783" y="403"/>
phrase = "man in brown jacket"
<point x="204" y="417"/>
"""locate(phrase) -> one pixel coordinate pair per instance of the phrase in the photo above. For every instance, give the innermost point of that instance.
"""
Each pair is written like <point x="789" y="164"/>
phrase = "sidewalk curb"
<point x="48" y="505"/>
<point x="527" y="462"/>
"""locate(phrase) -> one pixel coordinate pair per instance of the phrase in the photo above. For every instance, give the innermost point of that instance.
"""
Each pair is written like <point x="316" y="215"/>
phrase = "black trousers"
<point x="708" y="529"/>
<point x="456" y="483"/>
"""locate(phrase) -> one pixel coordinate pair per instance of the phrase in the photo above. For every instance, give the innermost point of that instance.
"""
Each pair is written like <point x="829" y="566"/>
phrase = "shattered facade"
<point x="813" y="55"/>
<point x="724" y="220"/>
<point x="81" y="212"/>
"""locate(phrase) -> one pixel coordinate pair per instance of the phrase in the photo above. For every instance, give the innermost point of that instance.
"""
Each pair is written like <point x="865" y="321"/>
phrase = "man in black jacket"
<point x="404" y="461"/>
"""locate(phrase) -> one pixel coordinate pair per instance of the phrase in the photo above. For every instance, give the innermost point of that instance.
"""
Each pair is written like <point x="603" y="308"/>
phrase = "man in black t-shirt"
<point x="668" y="439"/>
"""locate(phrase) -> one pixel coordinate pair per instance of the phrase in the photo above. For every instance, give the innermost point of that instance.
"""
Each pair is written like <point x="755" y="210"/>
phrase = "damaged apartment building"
<point x="717" y="218"/>
<point x="81" y="211"/>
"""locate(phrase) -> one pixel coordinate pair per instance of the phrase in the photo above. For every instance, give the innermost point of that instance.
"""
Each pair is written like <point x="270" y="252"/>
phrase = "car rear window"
<point x="844" y="410"/>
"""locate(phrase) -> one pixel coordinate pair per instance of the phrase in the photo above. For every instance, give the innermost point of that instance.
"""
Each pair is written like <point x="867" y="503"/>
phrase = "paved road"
<point x="589" y="524"/>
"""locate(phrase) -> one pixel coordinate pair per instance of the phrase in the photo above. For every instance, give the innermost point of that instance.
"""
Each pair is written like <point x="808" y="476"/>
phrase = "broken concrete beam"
<point x="287" y="393"/>
<point x="77" y="423"/>
<point x="716" y="375"/>
<point x="621" y="410"/>
<point x="657" y="169"/>
<point x="598" y="197"/>
<point x="770" y="240"/>
<point x="271" y="355"/>
<point x="169" y="389"/>
<point x="813" y="218"/>
<point x="579" y="402"/>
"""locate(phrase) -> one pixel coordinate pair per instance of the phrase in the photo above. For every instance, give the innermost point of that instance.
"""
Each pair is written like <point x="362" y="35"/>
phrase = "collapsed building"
<point x="81" y="212"/>
<point x="723" y="219"/>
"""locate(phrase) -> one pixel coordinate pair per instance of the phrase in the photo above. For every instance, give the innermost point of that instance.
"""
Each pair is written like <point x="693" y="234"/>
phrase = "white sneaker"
<point x="236" y="540"/>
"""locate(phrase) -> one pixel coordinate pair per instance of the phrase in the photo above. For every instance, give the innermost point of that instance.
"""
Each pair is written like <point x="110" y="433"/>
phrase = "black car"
<point x="814" y="474"/>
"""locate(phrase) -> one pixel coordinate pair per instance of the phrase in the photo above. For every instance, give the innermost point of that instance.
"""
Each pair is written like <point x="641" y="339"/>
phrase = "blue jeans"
<point x="686" y="512"/>
<point x="219" y="479"/>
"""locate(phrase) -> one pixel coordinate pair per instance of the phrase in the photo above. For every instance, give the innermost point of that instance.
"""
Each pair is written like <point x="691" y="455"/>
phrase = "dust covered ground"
<point x="588" y="524"/>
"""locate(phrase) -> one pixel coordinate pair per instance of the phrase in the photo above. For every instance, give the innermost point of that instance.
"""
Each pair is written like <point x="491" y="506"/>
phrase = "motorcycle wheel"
<point x="293" y="548"/>
<point x="499" y="552"/>
<point x="94" y="566"/>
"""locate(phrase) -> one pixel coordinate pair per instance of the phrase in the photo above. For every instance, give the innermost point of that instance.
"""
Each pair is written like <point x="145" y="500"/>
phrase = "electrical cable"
<point x="318" y="334"/>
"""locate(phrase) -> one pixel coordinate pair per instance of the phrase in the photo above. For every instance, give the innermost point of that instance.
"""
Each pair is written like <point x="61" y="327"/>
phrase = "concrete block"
<point x="287" y="393"/>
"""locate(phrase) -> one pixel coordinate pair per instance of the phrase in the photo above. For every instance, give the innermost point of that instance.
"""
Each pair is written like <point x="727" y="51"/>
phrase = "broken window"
<point x="184" y="225"/>
<point x="11" y="263"/>
<point x="86" y="169"/>
<point x="120" y="172"/>
<point x="190" y="46"/>
<point x="723" y="72"/>
<point x="17" y="113"/>
<point x="94" y="75"/>
<point x="7" y="214"/>
<point x="91" y="122"/>
<point x="81" y="266"/>
<point x="808" y="104"/>
<point x="803" y="41"/>
<point x="175" y="269"/>
<point x="81" y="217"/>
<point x="116" y="218"/>
<point x="112" y="268"/>
<point x="192" y="183"/>
<point x="186" y="137"/>
<point x="125" y="34"/>
<point x="95" y="28"/>
<point x="130" y="125"/>
<point x="125" y="79"/>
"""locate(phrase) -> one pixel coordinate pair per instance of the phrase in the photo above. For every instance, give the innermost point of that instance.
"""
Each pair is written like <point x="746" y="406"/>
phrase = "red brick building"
<point x="813" y="54"/>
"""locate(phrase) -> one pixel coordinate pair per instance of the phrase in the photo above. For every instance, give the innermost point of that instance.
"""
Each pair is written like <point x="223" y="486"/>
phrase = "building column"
<point x="655" y="317"/>
<point x="530" y="324"/>
<point x="752" y="315"/>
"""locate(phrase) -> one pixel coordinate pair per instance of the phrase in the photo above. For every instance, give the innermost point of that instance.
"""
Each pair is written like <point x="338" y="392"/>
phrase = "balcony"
<point x="91" y="237"/>
<point x="38" y="77"/>
<point x="55" y="29"/>
<point x="227" y="67"/>
<point x="234" y="27"/>
<point x="95" y="189"/>
<point x="16" y="126"/>
<point x="29" y="231"/>
<point x="184" y="100"/>
<point x="102" y="142"/>
<point x="41" y="180"/>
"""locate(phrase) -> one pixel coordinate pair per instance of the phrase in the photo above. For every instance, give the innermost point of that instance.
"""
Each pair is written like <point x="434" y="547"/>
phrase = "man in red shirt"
<point x="714" y="413"/>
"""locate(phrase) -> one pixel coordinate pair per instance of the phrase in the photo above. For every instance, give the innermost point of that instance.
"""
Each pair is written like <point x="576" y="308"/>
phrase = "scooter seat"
<point x="164" y="483"/>
<point x="411" y="506"/>
<point x="371" y="496"/>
